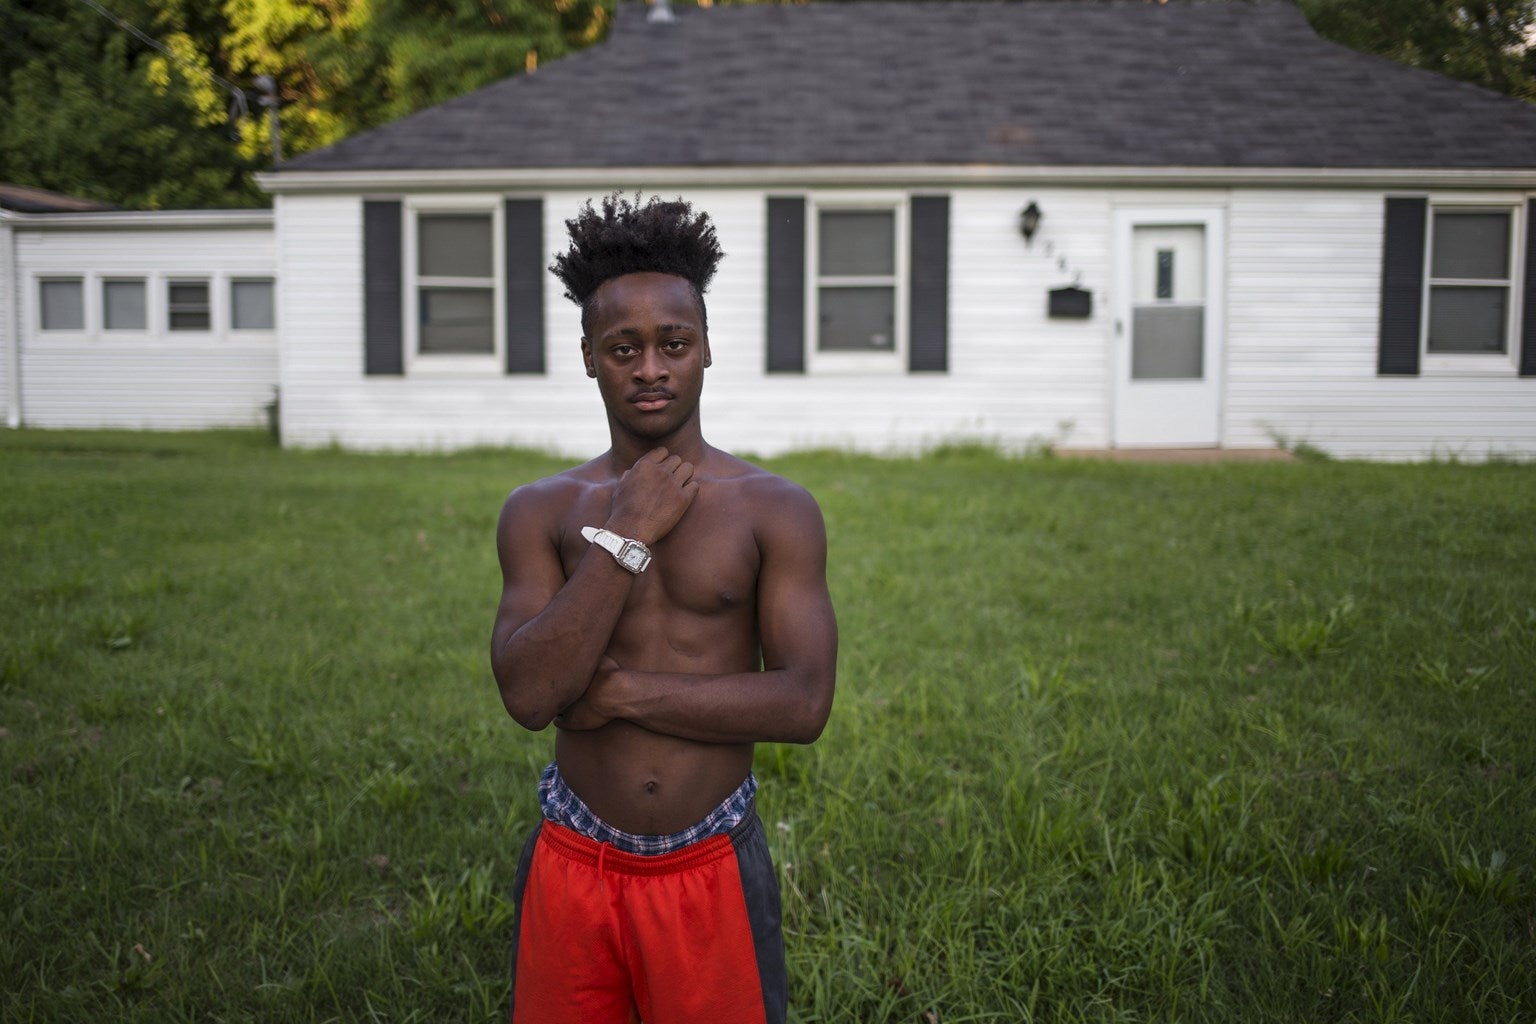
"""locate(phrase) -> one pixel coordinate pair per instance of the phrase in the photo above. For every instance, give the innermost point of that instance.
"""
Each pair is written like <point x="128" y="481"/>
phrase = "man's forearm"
<point x="550" y="660"/>
<point x="775" y="706"/>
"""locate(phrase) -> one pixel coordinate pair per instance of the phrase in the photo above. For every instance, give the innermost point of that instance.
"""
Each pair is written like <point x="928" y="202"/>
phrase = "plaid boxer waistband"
<point x="607" y="859"/>
<point x="562" y="806"/>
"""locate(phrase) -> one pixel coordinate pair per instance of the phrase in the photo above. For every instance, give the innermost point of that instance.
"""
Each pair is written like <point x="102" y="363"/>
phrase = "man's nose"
<point x="651" y="368"/>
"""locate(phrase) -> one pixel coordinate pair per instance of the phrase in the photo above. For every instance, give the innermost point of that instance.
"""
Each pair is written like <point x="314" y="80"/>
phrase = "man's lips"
<point x="649" y="400"/>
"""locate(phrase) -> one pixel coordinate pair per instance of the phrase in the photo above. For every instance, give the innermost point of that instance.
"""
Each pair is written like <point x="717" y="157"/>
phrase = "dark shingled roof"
<point x="1047" y="82"/>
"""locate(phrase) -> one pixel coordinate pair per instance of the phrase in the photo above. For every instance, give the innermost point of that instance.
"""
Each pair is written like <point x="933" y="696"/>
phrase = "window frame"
<point x="81" y="281"/>
<point x="893" y="361"/>
<point x="1507" y="361"/>
<point x="230" y="280"/>
<point x="144" y="281"/>
<point x="452" y="363"/>
<point x="171" y="281"/>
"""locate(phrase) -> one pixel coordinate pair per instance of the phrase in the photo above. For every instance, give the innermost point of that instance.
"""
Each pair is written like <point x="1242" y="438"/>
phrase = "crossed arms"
<point x="550" y="642"/>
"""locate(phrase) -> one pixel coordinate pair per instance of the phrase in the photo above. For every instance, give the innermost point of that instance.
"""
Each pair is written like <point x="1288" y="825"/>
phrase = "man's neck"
<point x="687" y="443"/>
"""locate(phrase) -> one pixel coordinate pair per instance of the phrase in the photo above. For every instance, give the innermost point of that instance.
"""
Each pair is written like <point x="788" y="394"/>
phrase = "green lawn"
<point x="1239" y="742"/>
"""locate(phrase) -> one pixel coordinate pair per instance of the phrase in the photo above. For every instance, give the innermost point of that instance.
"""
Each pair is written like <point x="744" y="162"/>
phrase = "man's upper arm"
<point x="796" y="624"/>
<point x="531" y="572"/>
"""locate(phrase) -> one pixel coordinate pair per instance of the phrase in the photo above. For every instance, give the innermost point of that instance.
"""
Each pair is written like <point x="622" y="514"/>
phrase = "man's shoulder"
<point x="758" y="483"/>
<point x="553" y="495"/>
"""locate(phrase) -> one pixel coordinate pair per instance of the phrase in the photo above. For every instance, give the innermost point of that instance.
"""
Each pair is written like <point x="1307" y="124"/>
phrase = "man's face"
<point x="647" y="349"/>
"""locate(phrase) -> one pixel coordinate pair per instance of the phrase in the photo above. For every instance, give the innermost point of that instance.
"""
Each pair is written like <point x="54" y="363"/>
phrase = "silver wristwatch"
<point x="631" y="554"/>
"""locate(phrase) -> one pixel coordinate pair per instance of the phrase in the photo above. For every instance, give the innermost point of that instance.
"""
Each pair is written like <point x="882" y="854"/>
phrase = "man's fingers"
<point x="657" y="455"/>
<point x="683" y="473"/>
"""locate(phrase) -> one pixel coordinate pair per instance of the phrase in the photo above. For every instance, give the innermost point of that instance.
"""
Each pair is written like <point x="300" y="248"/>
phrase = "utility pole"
<point x="268" y="87"/>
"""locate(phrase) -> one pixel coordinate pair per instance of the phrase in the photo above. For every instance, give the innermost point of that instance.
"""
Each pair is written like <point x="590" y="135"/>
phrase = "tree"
<point x="87" y="109"/>
<point x="1487" y="42"/>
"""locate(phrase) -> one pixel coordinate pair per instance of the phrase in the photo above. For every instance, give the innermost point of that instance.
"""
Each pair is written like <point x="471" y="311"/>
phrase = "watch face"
<point x="633" y="557"/>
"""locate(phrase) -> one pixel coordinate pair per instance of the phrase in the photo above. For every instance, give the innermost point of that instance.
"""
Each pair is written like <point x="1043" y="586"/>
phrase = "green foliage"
<point x="1486" y="42"/>
<point x="88" y="109"/>
<point x="1063" y="779"/>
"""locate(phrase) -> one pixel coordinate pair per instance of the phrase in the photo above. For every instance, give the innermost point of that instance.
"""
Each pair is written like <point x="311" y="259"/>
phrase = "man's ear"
<point x="586" y="358"/>
<point x="707" y="360"/>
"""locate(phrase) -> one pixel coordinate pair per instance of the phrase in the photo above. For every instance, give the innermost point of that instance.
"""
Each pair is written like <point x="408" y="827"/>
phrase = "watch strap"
<point x="629" y="553"/>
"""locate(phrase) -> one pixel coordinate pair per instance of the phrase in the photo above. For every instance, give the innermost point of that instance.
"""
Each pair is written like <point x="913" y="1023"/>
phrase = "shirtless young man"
<point x="646" y="892"/>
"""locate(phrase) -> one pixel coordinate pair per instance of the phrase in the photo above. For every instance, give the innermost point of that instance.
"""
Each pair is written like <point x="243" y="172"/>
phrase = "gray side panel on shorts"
<point x="761" y="888"/>
<point x="520" y="883"/>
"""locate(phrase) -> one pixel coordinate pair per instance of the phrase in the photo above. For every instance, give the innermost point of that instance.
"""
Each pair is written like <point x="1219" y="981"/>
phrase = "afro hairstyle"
<point x="624" y="237"/>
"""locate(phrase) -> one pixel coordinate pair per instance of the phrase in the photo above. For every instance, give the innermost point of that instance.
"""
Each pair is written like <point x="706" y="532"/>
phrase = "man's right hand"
<point x="652" y="496"/>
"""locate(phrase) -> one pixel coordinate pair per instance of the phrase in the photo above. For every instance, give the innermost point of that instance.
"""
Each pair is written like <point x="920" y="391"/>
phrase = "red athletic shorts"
<point x="607" y="937"/>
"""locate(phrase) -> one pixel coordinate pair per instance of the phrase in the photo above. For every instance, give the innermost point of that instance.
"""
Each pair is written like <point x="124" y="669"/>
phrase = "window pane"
<point x="250" y="305"/>
<point x="188" y="305"/>
<point x="1467" y="319"/>
<point x="456" y="320"/>
<point x="857" y="319"/>
<point x="1471" y="245"/>
<point x="857" y="242"/>
<point x="453" y="245"/>
<point x="122" y="305"/>
<point x="1168" y="343"/>
<point x="63" y="305"/>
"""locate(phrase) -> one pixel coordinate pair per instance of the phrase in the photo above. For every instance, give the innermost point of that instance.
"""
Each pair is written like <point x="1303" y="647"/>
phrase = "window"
<point x="1470" y="279"/>
<point x="455" y="284"/>
<point x="250" y="304"/>
<point x="61" y="304"/>
<point x="857" y="280"/>
<point x="187" y="306"/>
<point x="122" y="304"/>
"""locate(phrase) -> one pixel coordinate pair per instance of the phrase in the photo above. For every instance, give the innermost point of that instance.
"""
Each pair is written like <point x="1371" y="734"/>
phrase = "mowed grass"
<point x="1239" y="742"/>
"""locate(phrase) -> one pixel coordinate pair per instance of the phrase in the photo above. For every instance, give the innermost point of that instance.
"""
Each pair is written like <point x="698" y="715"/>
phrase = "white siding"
<point x="155" y="378"/>
<point x="1015" y="377"/>
<point x="8" y="323"/>
<point x="1302" y="283"/>
<point x="1304" y="299"/>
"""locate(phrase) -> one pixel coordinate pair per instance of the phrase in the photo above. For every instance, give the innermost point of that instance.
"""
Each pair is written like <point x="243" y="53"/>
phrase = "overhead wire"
<point x="239" y="106"/>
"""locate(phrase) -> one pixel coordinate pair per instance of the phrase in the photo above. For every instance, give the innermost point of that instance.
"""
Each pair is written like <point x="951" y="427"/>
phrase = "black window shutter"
<point x="383" y="347"/>
<point x="786" y="284"/>
<point x="524" y="222"/>
<point x="1402" y="285"/>
<point x="928" y="313"/>
<point x="1528" y="318"/>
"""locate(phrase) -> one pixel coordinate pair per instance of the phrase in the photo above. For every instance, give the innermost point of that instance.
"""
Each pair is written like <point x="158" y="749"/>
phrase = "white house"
<point x="1240" y="235"/>
<point x="112" y="318"/>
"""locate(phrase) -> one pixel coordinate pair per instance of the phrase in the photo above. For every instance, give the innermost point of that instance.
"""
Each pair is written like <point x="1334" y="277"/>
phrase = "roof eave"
<point x="891" y="175"/>
<point x="163" y="219"/>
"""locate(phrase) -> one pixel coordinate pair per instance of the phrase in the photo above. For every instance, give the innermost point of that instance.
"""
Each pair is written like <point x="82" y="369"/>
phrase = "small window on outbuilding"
<point x="61" y="304"/>
<point x="250" y="304"/>
<point x="123" y="304"/>
<point x="187" y="306"/>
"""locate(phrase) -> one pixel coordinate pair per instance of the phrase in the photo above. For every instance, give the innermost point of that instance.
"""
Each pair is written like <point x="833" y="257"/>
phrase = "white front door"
<point x="1168" y="328"/>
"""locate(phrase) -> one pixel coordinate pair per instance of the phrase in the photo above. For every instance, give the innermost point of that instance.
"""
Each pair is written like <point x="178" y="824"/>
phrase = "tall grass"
<point x="1245" y="742"/>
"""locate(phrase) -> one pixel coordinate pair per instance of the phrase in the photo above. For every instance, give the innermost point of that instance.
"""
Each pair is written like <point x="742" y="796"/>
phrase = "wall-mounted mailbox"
<point x="1071" y="302"/>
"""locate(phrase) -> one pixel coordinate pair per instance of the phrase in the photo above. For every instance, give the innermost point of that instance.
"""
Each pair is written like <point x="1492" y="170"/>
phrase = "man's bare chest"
<point x="707" y="565"/>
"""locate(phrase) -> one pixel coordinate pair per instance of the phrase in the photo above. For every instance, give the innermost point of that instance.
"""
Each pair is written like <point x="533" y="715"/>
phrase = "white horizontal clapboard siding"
<point x="1305" y="291"/>
<point x="153" y="378"/>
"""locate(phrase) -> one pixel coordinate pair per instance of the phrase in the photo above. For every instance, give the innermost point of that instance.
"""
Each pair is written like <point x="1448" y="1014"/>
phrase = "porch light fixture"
<point x="1029" y="221"/>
